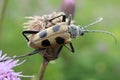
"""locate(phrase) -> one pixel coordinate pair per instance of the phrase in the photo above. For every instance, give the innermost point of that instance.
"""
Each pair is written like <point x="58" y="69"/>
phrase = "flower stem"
<point x="3" y="13"/>
<point x="43" y="68"/>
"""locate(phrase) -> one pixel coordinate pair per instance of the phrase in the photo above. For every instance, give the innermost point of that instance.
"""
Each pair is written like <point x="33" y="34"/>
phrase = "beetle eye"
<point x="81" y="31"/>
<point x="82" y="34"/>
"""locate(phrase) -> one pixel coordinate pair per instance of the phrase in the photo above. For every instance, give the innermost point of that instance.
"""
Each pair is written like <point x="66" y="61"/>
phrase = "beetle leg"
<point x="63" y="18"/>
<point x="71" y="47"/>
<point x="28" y="32"/>
<point x="30" y="54"/>
<point x="69" y="19"/>
<point x="24" y="55"/>
<point x="58" y="52"/>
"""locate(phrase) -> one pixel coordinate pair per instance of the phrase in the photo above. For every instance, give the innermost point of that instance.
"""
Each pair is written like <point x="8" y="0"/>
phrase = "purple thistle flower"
<point x="6" y="68"/>
<point x="68" y="7"/>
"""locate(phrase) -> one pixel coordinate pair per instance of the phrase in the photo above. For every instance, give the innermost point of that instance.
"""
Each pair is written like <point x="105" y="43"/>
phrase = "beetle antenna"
<point x="102" y="31"/>
<point x="97" y="21"/>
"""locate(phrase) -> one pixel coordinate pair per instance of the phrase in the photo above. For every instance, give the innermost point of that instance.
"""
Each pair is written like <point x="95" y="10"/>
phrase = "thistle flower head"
<point x="6" y="68"/>
<point x="41" y="22"/>
<point x="68" y="7"/>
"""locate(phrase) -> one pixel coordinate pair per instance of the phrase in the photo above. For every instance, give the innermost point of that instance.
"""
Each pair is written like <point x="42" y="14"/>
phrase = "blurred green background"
<point x="96" y="55"/>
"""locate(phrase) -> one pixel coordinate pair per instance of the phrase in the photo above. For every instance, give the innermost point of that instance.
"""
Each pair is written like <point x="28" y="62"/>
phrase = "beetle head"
<point x="79" y="30"/>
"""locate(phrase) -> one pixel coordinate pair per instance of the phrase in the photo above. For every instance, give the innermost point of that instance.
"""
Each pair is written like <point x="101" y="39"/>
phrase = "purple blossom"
<point x="68" y="7"/>
<point x="6" y="68"/>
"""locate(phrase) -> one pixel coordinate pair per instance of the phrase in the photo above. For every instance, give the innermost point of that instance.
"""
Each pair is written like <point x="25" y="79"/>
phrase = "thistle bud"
<point x="68" y="7"/>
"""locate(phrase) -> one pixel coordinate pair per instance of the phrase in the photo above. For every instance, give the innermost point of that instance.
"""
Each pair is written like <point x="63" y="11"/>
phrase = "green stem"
<point x="3" y="13"/>
<point x="43" y="68"/>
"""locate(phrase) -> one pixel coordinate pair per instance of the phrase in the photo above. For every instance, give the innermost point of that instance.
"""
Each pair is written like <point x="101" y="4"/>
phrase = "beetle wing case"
<point x="50" y="37"/>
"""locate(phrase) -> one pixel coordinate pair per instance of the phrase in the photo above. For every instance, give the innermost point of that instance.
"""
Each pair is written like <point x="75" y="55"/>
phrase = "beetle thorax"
<point x="75" y="31"/>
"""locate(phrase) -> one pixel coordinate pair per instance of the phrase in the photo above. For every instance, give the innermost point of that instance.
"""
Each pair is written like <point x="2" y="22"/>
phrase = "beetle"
<point x="40" y="23"/>
<point x="59" y="34"/>
<point x="51" y="32"/>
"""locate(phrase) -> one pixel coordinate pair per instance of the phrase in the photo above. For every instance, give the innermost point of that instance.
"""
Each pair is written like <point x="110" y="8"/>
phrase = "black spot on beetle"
<point x="56" y="28"/>
<point x="82" y="34"/>
<point x="60" y="40"/>
<point x="46" y="42"/>
<point x="43" y="34"/>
